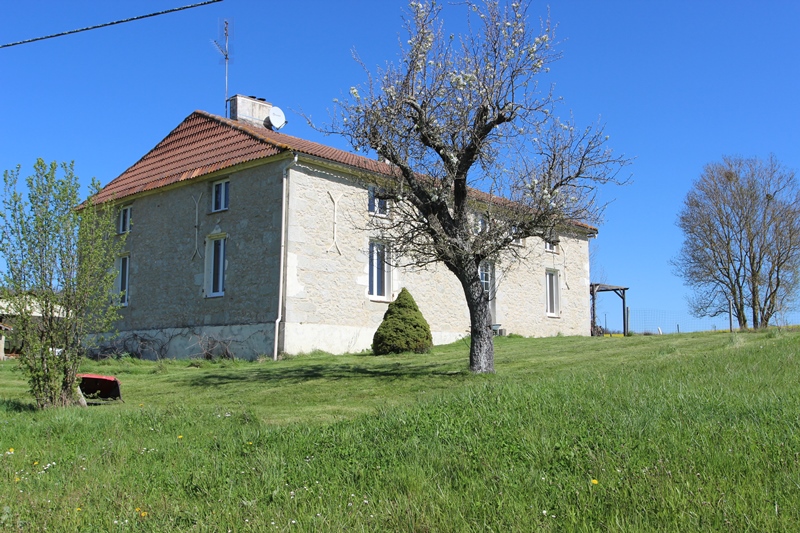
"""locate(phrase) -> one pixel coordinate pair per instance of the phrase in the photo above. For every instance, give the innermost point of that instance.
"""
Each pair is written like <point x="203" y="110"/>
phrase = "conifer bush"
<point x="403" y="329"/>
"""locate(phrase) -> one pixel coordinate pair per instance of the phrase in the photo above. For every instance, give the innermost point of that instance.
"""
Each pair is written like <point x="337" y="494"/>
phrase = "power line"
<point x="110" y="23"/>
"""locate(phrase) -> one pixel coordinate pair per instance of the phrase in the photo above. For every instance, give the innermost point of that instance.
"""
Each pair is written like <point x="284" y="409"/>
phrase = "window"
<point x="379" y="271"/>
<point x="516" y="240"/>
<point x="552" y="305"/>
<point x="122" y="279"/>
<point x="481" y="225"/>
<point x="377" y="206"/>
<point x="220" y="199"/>
<point x="485" y="270"/>
<point x="215" y="266"/>
<point x="551" y="247"/>
<point x="124" y="224"/>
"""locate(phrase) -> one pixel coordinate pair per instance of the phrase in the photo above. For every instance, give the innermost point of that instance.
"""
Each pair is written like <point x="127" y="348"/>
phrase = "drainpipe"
<point x="284" y="229"/>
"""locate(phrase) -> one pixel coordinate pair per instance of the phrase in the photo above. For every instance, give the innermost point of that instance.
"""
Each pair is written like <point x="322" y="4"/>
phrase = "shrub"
<point x="403" y="329"/>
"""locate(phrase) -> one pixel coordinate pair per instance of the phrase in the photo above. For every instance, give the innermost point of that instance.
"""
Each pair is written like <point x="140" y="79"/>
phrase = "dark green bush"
<point x="403" y="329"/>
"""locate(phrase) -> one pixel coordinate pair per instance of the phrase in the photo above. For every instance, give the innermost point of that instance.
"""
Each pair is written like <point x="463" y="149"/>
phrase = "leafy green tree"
<point x="403" y="329"/>
<point x="58" y="280"/>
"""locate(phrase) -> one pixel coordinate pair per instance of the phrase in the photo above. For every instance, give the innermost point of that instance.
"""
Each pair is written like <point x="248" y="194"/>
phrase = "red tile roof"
<point x="204" y="143"/>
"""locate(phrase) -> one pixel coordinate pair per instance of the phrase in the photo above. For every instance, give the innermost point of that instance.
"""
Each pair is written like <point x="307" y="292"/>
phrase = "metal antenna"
<point x="225" y="51"/>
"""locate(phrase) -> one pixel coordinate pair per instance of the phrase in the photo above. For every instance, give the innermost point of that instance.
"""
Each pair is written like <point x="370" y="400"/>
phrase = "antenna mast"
<point x="226" y="55"/>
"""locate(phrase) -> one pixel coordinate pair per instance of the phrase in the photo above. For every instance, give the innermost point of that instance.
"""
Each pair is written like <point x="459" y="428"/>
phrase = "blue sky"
<point x="678" y="84"/>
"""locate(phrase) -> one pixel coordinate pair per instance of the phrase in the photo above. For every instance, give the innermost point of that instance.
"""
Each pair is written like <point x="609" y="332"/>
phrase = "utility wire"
<point x="109" y="23"/>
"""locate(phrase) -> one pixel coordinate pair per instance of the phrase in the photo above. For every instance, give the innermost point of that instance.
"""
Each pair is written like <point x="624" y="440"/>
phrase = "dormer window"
<point x="551" y="247"/>
<point x="124" y="222"/>
<point x="220" y="196"/>
<point x="377" y="206"/>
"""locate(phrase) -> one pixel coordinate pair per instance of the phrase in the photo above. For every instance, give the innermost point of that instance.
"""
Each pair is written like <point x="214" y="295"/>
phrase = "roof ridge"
<point x="265" y="135"/>
<point x="243" y="127"/>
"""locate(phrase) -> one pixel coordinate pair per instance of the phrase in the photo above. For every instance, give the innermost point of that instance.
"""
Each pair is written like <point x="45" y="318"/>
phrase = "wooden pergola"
<point x="594" y="288"/>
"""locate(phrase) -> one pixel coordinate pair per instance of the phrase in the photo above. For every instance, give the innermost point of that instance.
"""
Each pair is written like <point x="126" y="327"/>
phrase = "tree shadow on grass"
<point x="16" y="406"/>
<point x="287" y="375"/>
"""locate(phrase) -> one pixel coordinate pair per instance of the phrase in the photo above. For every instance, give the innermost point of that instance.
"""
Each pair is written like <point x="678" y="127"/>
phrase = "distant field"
<point x="690" y="432"/>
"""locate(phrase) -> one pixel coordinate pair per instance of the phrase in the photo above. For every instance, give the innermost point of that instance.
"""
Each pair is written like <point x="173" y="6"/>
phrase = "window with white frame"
<point x="552" y="296"/>
<point x="481" y="225"/>
<point x="376" y="205"/>
<point x="550" y="246"/>
<point x="124" y="223"/>
<point x="486" y="272"/>
<point x="220" y="195"/>
<point x="215" y="265"/>
<point x="380" y="275"/>
<point x="123" y="270"/>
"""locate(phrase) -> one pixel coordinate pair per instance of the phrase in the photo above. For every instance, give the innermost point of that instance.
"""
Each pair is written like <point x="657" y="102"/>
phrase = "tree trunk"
<point x="481" y="348"/>
<point x="741" y="316"/>
<point x="739" y="309"/>
<point x="756" y="307"/>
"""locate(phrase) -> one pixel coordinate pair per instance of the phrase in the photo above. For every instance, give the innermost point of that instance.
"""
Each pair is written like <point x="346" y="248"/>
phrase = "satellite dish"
<point x="277" y="119"/>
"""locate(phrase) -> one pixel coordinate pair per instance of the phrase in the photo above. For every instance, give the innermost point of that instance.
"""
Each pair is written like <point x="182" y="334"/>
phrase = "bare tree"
<point x="741" y="225"/>
<point x="459" y="115"/>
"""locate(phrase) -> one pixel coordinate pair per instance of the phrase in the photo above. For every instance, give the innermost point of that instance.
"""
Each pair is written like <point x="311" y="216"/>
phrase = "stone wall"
<point x="167" y="268"/>
<point x="326" y="301"/>
<point x="521" y="306"/>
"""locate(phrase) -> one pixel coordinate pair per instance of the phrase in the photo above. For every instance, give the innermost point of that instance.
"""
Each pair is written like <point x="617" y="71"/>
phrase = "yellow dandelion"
<point x="144" y="513"/>
<point x="16" y="480"/>
<point x="78" y="509"/>
<point x="35" y="463"/>
<point x="180" y="436"/>
<point x="595" y="482"/>
<point x="141" y="405"/>
<point x="11" y="450"/>
<point x="137" y="509"/>
<point x="250" y="443"/>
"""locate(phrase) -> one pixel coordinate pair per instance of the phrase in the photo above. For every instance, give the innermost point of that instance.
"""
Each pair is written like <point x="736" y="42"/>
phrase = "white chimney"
<point x="250" y="109"/>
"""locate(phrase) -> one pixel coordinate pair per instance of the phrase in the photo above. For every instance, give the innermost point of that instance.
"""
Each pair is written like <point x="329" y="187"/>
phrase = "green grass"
<point x="691" y="432"/>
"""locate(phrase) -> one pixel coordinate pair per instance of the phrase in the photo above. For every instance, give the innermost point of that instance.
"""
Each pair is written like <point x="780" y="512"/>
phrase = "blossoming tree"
<point x="481" y="159"/>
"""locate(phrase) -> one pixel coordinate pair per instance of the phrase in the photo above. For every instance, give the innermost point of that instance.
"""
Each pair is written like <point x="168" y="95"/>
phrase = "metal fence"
<point x="650" y="321"/>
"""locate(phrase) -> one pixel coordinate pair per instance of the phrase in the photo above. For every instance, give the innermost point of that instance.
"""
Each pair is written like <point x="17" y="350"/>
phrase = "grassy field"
<point x="690" y="432"/>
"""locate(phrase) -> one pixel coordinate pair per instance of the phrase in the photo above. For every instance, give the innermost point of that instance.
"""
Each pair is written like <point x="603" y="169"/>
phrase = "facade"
<point x="244" y="239"/>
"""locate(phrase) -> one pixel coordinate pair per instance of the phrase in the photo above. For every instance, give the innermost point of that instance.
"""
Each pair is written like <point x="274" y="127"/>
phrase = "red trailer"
<point x="95" y="386"/>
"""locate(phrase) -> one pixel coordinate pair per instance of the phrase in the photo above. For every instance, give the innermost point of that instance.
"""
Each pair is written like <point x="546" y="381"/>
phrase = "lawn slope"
<point x="692" y="432"/>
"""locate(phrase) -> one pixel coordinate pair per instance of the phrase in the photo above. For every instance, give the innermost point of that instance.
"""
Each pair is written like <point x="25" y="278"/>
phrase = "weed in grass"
<point x="774" y="332"/>
<point x="735" y="340"/>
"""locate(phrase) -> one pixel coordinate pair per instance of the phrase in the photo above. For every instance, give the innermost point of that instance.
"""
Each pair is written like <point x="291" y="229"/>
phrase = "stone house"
<point x="243" y="238"/>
